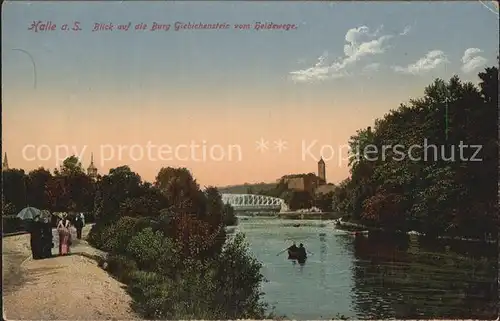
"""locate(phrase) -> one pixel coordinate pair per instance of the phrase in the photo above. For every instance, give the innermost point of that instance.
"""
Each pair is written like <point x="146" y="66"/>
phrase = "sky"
<point x="233" y="105"/>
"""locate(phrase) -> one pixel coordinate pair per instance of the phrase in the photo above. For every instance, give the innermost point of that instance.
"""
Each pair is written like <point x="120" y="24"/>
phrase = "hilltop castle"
<point x="310" y="182"/>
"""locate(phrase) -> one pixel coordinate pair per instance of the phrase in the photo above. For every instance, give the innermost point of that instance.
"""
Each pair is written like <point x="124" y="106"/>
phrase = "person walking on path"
<point x="79" y="223"/>
<point x="64" y="235"/>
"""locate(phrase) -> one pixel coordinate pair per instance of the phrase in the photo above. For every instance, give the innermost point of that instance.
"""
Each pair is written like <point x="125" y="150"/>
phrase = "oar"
<point x="281" y="252"/>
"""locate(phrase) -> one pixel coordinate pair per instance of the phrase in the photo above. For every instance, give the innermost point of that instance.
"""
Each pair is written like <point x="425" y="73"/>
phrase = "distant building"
<point x="322" y="169"/>
<point x="5" y="163"/>
<point x="306" y="182"/>
<point x="92" y="170"/>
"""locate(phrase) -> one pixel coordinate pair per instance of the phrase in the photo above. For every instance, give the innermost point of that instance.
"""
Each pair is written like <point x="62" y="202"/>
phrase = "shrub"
<point x="121" y="267"/>
<point x="170" y="260"/>
<point x="238" y="281"/>
<point x="176" y="265"/>
<point x="146" y="248"/>
<point x="120" y="234"/>
<point x="230" y="218"/>
<point x="150" y="292"/>
<point x="166" y="284"/>
<point x="114" y="237"/>
<point x="11" y="223"/>
<point x="197" y="237"/>
<point x="99" y="234"/>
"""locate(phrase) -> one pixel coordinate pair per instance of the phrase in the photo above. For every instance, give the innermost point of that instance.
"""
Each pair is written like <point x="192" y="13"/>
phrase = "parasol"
<point x="29" y="213"/>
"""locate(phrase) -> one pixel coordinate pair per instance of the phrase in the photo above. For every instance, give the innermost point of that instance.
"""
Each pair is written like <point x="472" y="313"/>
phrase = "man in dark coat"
<point x="35" y="231"/>
<point x="79" y="225"/>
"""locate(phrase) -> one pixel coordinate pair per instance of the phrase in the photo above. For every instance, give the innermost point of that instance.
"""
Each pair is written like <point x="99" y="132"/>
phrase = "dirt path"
<point x="64" y="288"/>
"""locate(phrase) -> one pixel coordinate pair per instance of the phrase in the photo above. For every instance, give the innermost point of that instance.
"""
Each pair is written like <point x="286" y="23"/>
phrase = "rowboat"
<point x="295" y="255"/>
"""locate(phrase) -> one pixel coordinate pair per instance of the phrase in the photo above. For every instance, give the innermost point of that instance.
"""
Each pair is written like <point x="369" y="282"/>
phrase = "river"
<point x="371" y="277"/>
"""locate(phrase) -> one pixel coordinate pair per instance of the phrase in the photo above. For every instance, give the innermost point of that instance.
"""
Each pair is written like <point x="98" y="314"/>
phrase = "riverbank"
<point x="69" y="287"/>
<point x="353" y="227"/>
<point x="309" y="215"/>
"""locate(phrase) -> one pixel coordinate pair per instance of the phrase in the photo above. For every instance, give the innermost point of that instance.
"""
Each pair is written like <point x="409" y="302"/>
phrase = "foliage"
<point x="145" y="248"/>
<point x="223" y="287"/>
<point x="230" y="218"/>
<point x="70" y="166"/>
<point x="181" y="190"/>
<point x="11" y="223"/>
<point x="121" y="267"/>
<point x="37" y="181"/>
<point x="324" y="201"/>
<point x="246" y="188"/>
<point x="433" y="192"/>
<point x="238" y="279"/>
<point x="14" y="188"/>
<point x="300" y="200"/>
<point x="167" y="242"/>
<point x="278" y="190"/>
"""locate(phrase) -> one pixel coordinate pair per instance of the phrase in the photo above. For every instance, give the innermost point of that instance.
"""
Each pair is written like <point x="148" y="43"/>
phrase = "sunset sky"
<point x="345" y="65"/>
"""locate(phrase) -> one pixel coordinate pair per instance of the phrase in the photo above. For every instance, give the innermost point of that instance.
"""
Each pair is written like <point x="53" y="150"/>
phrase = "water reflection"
<point x="417" y="278"/>
<point x="373" y="277"/>
<point x="322" y="258"/>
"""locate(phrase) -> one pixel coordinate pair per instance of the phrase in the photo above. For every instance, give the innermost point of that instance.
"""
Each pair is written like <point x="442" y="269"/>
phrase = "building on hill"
<point x="302" y="182"/>
<point x="306" y="182"/>
<point x="322" y="169"/>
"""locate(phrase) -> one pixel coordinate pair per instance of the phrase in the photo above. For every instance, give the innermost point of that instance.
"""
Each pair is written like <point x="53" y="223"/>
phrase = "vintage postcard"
<point x="224" y="160"/>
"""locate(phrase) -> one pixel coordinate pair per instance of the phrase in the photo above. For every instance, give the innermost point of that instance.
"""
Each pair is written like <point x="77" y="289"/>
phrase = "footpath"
<point x="68" y="287"/>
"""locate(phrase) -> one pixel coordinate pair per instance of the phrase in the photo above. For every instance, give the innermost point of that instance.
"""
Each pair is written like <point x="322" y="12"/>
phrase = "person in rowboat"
<point x="292" y="250"/>
<point x="301" y="252"/>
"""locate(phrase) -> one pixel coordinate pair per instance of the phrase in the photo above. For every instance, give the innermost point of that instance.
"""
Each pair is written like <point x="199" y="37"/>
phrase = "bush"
<point x="176" y="265"/>
<point x="11" y="224"/>
<point x="151" y="294"/>
<point x="146" y="248"/>
<point x="166" y="284"/>
<point x="238" y="280"/>
<point x="98" y="235"/>
<point x="121" y="233"/>
<point x="114" y="238"/>
<point x="121" y="267"/>
<point x="230" y="218"/>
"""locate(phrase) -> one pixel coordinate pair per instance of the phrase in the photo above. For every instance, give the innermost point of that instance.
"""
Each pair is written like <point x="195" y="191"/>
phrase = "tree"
<point x="181" y="190"/>
<point x="175" y="255"/>
<point x="71" y="189"/>
<point x="215" y="206"/>
<point x="70" y="166"/>
<point x="15" y="188"/>
<point x="230" y="218"/>
<point x="300" y="200"/>
<point x="324" y="201"/>
<point x="37" y="182"/>
<point x="433" y="192"/>
<point x="115" y="188"/>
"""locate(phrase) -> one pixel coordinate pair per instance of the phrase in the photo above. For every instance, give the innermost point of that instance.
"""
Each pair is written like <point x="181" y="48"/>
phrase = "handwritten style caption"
<point x="44" y="26"/>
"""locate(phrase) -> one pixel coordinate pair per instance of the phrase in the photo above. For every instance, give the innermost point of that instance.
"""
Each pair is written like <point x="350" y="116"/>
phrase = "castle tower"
<point x="5" y="163"/>
<point x="92" y="170"/>
<point x="322" y="169"/>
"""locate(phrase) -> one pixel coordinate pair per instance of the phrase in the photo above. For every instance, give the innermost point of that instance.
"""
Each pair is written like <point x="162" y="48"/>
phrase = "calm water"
<point x="371" y="277"/>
